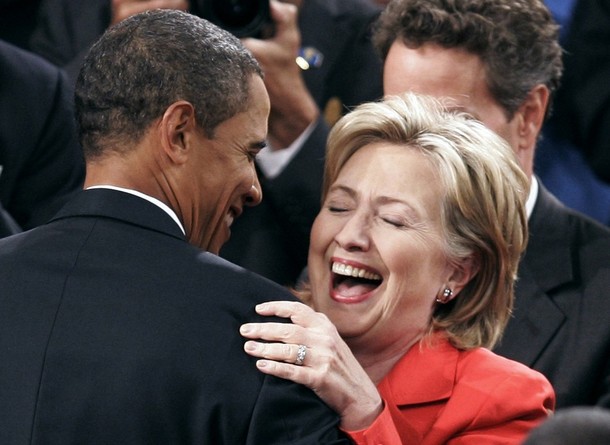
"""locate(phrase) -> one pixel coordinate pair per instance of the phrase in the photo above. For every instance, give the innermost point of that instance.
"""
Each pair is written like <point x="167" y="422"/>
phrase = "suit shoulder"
<point x="18" y="64"/>
<point x="228" y="272"/>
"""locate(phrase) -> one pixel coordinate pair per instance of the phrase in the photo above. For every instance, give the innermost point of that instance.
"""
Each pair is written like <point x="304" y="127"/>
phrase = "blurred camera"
<point x="242" y="18"/>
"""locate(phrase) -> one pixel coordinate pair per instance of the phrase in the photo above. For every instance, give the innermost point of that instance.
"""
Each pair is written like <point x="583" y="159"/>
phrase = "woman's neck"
<point x="378" y="363"/>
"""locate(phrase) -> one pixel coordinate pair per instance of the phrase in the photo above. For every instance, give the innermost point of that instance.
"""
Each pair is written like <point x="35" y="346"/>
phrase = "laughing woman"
<point x="412" y="264"/>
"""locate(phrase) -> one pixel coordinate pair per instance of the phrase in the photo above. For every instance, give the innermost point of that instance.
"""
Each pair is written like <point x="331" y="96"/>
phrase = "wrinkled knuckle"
<point x="262" y="349"/>
<point x="315" y="379"/>
<point x="285" y="332"/>
<point x="290" y="372"/>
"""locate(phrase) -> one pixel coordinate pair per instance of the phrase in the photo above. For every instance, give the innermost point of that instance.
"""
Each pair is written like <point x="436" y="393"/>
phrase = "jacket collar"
<point x="548" y="254"/>
<point x="120" y="206"/>
<point x="439" y="360"/>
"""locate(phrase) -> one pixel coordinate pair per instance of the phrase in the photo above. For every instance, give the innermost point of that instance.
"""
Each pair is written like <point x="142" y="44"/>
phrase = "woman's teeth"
<point x="351" y="271"/>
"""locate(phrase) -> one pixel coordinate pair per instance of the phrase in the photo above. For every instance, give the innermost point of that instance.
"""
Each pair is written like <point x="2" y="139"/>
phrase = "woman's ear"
<point x="178" y="128"/>
<point x="462" y="273"/>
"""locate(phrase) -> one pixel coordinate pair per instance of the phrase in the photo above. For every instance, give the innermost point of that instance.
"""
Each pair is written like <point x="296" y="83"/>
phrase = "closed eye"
<point x="254" y="149"/>
<point x="399" y="223"/>
<point x="394" y="223"/>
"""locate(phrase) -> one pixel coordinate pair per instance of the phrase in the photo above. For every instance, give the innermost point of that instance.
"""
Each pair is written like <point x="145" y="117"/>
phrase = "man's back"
<point x="115" y="330"/>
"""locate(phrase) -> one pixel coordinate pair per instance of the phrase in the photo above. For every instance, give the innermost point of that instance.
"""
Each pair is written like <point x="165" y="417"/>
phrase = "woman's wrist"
<point x="361" y="416"/>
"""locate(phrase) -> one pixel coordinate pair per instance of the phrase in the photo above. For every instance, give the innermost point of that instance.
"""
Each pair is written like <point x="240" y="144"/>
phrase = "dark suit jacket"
<point x="8" y="226"/>
<point x="113" y="329"/>
<point x="41" y="161"/>
<point x="272" y="238"/>
<point x="561" y="323"/>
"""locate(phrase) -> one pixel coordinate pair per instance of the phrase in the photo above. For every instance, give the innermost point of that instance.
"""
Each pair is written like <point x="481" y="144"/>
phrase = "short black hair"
<point x="145" y="63"/>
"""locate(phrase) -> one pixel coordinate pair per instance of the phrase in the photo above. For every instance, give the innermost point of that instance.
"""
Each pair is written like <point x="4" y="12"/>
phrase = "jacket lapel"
<point x="429" y="371"/>
<point x="546" y="266"/>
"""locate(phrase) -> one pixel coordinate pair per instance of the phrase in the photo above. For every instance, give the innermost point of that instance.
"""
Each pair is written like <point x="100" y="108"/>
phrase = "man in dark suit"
<point x="333" y="37"/>
<point x="41" y="162"/>
<point x="502" y="62"/>
<point x="115" y="325"/>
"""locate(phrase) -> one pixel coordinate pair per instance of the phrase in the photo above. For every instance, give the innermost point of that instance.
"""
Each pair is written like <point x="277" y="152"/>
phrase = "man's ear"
<point x="532" y="113"/>
<point x="178" y="128"/>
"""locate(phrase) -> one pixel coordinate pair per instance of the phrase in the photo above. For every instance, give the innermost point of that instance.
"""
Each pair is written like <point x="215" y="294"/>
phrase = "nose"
<point x="354" y="235"/>
<point x="254" y="196"/>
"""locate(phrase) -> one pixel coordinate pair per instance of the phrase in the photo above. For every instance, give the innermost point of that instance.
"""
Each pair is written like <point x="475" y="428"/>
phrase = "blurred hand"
<point x="121" y="9"/>
<point x="292" y="106"/>
<point x="329" y="368"/>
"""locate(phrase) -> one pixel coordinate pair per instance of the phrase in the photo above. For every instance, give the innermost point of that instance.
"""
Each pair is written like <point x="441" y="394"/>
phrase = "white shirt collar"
<point x="155" y="201"/>
<point x="531" y="199"/>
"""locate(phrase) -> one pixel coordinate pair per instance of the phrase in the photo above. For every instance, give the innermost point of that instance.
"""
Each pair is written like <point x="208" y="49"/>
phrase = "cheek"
<point x="247" y="174"/>
<point x="413" y="264"/>
<point x="241" y="182"/>
<point x="320" y="241"/>
<point x="322" y="233"/>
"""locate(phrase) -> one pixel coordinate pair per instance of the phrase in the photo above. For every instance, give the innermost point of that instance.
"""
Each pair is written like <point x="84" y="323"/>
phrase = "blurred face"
<point x="454" y="73"/>
<point x="376" y="262"/>
<point x="222" y="173"/>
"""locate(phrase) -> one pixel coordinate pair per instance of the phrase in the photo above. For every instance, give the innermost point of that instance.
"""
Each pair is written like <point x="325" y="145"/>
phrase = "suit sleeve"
<point x="305" y="419"/>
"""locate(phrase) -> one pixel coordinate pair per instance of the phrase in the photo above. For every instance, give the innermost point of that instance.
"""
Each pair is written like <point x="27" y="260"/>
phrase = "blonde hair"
<point x="483" y="204"/>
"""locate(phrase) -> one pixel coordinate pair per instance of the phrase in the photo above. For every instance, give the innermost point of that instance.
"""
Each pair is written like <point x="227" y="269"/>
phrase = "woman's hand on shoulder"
<point x="310" y="352"/>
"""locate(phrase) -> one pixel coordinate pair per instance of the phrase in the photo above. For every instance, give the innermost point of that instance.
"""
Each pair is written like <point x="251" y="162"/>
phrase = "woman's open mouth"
<point x="351" y="283"/>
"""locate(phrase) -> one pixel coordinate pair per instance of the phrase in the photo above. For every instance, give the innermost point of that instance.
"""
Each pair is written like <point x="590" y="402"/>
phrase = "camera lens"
<point x="236" y="13"/>
<point x="243" y="18"/>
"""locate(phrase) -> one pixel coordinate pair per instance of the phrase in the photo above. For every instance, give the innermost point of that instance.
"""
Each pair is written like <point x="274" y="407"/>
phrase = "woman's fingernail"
<point x="250" y="346"/>
<point x="245" y="329"/>
<point x="261" y="307"/>
<point x="261" y="364"/>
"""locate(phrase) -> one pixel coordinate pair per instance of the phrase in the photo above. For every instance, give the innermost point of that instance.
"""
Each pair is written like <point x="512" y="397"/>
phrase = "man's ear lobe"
<point x="177" y="128"/>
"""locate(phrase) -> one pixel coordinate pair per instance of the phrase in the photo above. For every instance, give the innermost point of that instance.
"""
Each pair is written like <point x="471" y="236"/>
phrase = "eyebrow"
<point x="342" y="188"/>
